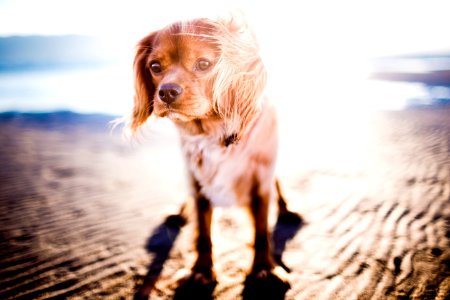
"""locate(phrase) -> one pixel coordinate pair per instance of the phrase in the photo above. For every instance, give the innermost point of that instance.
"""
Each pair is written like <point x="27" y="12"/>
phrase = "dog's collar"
<point x="231" y="139"/>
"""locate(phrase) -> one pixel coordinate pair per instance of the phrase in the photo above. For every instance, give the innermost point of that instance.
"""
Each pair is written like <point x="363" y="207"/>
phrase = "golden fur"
<point x="208" y="78"/>
<point x="230" y="91"/>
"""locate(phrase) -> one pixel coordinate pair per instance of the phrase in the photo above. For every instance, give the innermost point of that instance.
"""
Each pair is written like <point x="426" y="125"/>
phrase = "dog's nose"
<point x="169" y="92"/>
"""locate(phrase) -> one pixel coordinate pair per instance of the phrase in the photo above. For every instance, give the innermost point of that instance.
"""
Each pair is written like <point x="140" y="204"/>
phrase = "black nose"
<point x="169" y="92"/>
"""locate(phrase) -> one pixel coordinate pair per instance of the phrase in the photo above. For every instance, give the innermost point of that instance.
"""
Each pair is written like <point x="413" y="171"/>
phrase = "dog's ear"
<point x="239" y="80"/>
<point x="144" y="87"/>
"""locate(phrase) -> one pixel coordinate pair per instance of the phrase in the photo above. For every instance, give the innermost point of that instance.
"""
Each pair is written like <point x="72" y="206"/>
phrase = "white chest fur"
<point x="217" y="169"/>
<point x="228" y="174"/>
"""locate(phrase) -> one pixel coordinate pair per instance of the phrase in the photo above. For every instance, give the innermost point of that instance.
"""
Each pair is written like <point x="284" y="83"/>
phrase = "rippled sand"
<point x="82" y="211"/>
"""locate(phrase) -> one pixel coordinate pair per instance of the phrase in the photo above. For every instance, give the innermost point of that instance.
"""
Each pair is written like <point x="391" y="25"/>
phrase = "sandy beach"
<point x="82" y="210"/>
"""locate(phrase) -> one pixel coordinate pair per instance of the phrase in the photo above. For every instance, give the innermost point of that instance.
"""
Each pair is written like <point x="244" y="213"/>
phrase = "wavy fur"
<point x="237" y="79"/>
<point x="228" y="129"/>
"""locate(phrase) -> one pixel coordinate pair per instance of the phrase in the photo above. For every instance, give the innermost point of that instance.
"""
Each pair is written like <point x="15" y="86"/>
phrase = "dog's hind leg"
<point x="284" y="214"/>
<point x="179" y="219"/>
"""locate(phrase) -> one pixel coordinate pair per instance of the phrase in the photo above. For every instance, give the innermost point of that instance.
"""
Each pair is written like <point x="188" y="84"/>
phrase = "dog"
<point x="208" y="78"/>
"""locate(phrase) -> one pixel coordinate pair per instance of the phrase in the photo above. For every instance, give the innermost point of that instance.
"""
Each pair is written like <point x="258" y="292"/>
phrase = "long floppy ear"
<point x="239" y="80"/>
<point x="144" y="87"/>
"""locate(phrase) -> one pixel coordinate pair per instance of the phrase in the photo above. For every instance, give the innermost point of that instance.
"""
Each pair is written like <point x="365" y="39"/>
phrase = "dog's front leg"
<point x="200" y="284"/>
<point x="262" y="262"/>
<point x="203" y="268"/>
<point x="263" y="282"/>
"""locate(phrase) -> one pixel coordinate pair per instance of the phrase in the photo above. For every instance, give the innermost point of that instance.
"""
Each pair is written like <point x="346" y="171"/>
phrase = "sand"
<point x="82" y="211"/>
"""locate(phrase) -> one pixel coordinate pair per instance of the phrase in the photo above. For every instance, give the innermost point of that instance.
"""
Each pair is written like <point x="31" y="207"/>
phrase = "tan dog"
<point x="208" y="78"/>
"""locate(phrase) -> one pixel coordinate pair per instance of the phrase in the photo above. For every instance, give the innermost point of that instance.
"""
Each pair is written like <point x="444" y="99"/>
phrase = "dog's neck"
<point x="211" y="127"/>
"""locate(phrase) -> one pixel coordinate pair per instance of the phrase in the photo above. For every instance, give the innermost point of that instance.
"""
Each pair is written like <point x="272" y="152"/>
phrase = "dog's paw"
<point x="290" y="218"/>
<point x="197" y="285"/>
<point x="265" y="284"/>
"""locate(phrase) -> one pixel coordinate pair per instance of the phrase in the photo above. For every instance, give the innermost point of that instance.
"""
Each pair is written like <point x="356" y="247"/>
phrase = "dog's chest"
<point x="218" y="169"/>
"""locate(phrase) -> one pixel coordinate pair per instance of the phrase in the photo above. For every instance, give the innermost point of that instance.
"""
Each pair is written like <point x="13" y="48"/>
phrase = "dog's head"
<point x="199" y="70"/>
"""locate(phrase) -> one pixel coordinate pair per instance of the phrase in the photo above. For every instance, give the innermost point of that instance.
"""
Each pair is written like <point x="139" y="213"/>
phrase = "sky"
<point x="368" y="27"/>
<point x="325" y="45"/>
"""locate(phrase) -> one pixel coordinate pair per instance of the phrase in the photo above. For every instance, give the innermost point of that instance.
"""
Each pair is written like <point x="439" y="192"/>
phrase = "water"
<point x="107" y="89"/>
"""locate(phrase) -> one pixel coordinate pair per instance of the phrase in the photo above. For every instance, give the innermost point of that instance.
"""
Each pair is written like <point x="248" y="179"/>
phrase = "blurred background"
<point x="350" y="56"/>
<point x="363" y="93"/>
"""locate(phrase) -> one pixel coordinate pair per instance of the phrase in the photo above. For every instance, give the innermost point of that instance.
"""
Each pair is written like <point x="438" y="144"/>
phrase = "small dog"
<point x="208" y="78"/>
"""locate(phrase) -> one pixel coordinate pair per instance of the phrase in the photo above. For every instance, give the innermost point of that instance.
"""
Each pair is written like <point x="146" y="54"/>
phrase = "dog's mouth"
<point x="176" y="115"/>
<point x="182" y="112"/>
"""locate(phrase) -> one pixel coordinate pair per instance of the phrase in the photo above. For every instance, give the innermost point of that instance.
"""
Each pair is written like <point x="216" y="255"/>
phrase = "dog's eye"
<point x="202" y="64"/>
<point x="155" y="66"/>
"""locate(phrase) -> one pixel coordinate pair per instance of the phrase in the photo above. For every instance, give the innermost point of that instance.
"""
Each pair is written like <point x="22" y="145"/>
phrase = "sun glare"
<point x="317" y="52"/>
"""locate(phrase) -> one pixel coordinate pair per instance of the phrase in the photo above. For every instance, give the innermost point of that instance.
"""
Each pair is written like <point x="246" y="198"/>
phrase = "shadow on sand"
<point x="159" y="244"/>
<point x="163" y="238"/>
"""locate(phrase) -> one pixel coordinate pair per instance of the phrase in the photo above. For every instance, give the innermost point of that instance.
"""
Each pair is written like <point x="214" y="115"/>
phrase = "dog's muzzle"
<point x="169" y="92"/>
